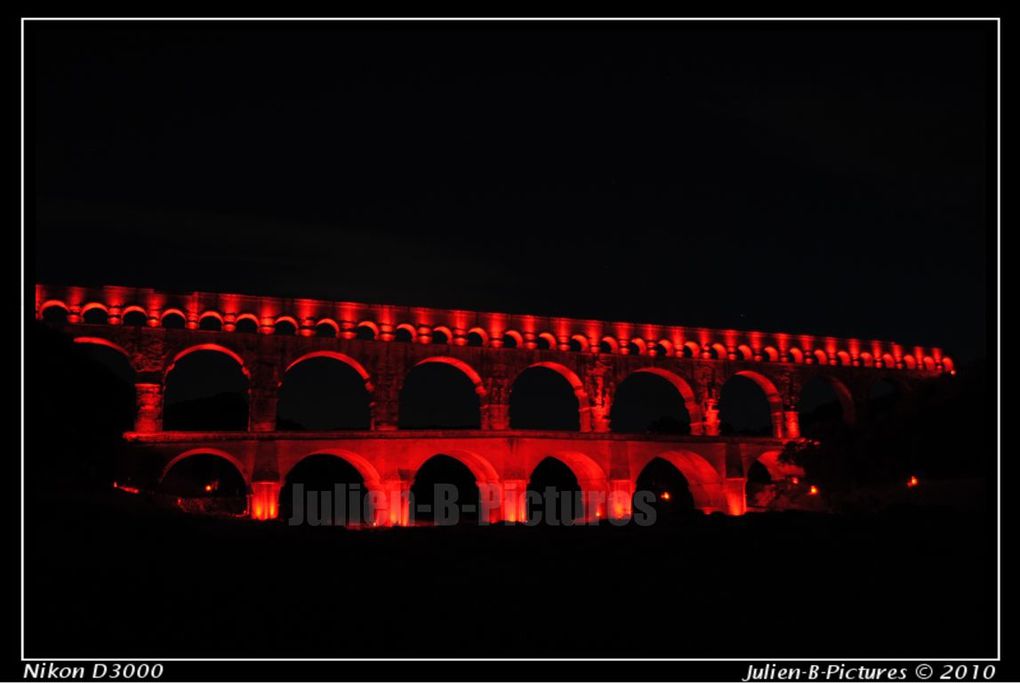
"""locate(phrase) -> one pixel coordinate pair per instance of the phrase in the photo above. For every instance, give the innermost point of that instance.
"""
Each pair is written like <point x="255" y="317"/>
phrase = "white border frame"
<point x="998" y="435"/>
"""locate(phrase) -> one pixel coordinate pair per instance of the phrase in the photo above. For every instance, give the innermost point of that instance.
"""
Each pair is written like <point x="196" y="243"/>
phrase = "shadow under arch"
<point x="703" y="481"/>
<point x="324" y="391"/>
<point x="687" y="396"/>
<point x="339" y="481"/>
<point x="206" y="387"/>
<point x="772" y="398"/>
<point x="534" y="415"/>
<point x="219" y="348"/>
<point x="476" y="482"/>
<point x="441" y="392"/>
<point x="206" y="480"/>
<point x="844" y="397"/>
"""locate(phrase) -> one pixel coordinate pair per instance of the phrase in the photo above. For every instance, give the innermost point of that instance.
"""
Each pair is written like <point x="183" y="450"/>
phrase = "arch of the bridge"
<point x="369" y="474"/>
<point x="589" y="474"/>
<point x="483" y="470"/>
<point x="154" y="359"/>
<point x="703" y="479"/>
<point x="843" y="392"/>
<point x="217" y="452"/>
<point x="461" y="365"/>
<point x="337" y="356"/>
<point x="217" y="348"/>
<point x="772" y="395"/>
<point x="576" y="385"/>
<point x="682" y="386"/>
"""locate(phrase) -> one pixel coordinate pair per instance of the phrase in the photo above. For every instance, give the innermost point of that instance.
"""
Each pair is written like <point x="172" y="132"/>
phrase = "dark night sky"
<point x="829" y="179"/>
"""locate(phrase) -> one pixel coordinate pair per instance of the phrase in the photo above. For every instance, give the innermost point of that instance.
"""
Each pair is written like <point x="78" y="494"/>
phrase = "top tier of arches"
<point x="234" y="313"/>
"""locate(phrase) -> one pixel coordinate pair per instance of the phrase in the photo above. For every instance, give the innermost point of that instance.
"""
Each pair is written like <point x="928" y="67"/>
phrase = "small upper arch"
<point x="546" y="340"/>
<point x="609" y="345"/>
<point x="476" y="336"/>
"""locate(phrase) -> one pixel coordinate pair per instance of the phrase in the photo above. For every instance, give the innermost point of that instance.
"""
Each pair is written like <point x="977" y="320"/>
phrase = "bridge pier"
<point x="791" y="424"/>
<point x="149" y="401"/>
<point x="515" y="508"/>
<point x="263" y="502"/>
<point x="396" y="499"/>
<point x="621" y="498"/>
<point x="734" y="491"/>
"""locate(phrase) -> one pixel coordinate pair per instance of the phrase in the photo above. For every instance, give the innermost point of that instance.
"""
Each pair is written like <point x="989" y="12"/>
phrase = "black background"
<point x="825" y="178"/>
<point x="816" y="178"/>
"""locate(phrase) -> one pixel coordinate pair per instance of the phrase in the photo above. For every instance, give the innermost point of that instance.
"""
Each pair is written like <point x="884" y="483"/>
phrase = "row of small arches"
<point x="247" y="323"/>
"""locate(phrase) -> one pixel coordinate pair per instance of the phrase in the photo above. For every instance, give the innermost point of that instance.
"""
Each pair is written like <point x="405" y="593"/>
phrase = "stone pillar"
<point x="490" y="502"/>
<point x="600" y="387"/>
<point x="263" y="394"/>
<point x="149" y="415"/>
<point x="495" y="416"/>
<point x="514" y="506"/>
<point x="265" y="500"/>
<point x="710" y="409"/>
<point x="394" y="507"/>
<point x="386" y="397"/>
<point x="791" y="424"/>
<point x="706" y="389"/>
<point x="735" y="495"/>
<point x="594" y="500"/>
<point x="585" y="416"/>
<point x="786" y="419"/>
<point x="621" y="498"/>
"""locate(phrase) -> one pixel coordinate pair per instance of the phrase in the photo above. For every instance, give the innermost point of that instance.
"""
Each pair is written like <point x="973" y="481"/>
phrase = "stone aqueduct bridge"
<point x="155" y="329"/>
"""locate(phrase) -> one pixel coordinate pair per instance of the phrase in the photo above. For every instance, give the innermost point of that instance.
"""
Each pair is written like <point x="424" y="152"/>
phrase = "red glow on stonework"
<point x="912" y="482"/>
<point x="795" y="480"/>
<point x="813" y="491"/>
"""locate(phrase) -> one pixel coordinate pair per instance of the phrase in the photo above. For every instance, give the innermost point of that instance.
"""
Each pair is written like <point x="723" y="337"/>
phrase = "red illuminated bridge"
<point x="267" y="339"/>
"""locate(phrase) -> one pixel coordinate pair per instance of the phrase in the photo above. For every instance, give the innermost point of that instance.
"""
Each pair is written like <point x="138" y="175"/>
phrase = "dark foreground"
<point x="115" y="578"/>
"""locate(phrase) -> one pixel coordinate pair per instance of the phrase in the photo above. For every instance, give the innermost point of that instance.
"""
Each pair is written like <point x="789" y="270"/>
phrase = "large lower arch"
<point x="206" y="388"/>
<point x="444" y="492"/>
<point x="539" y="400"/>
<point x="763" y="474"/>
<point x="482" y="470"/>
<point x="777" y="469"/>
<point x="738" y="413"/>
<point x="365" y="469"/>
<point x="205" y="480"/>
<point x="703" y="480"/>
<point x="638" y="408"/>
<point x="441" y="393"/>
<point x="329" y="488"/>
<point x="589" y="473"/>
<point x="555" y="495"/>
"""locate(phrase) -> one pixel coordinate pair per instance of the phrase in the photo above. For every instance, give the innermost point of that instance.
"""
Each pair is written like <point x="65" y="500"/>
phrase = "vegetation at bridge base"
<point x="936" y="434"/>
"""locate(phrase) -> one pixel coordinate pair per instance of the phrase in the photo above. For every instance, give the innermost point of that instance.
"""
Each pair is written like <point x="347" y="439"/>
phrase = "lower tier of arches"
<point x="389" y="479"/>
